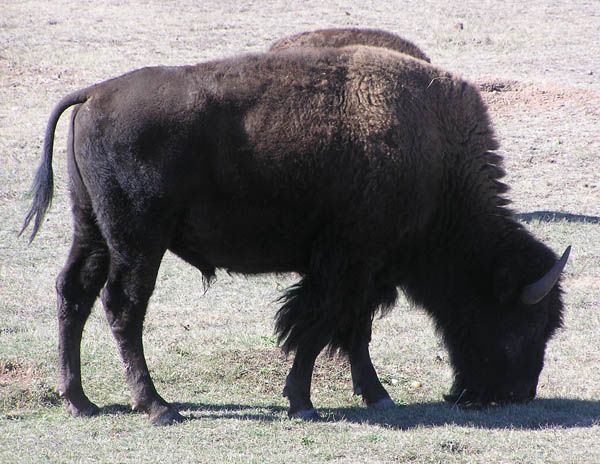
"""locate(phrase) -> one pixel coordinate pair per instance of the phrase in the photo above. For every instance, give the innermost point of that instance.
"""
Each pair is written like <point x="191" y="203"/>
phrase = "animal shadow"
<point x="555" y="216"/>
<point x="541" y="413"/>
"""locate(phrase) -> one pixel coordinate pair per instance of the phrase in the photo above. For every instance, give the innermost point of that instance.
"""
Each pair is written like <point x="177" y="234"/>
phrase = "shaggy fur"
<point x="344" y="37"/>
<point x="360" y="168"/>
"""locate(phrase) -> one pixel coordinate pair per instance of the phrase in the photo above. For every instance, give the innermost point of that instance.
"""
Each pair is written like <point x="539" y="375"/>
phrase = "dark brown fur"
<point x="360" y="168"/>
<point x="344" y="37"/>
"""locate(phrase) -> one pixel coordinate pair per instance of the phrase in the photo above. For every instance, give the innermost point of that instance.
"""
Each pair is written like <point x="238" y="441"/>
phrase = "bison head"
<point x="497" y="351"/>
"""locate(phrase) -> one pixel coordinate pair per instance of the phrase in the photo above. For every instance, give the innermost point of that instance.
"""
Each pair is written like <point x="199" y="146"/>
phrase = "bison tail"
<point x="43" y="183"/>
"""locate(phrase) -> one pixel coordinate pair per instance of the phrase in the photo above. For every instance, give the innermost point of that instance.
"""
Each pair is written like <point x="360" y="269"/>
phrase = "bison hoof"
<point x="87" y="409"/>
<point x="306" y="415"/>
<point x="382" y="404"/>
<point x="166" y="416"/>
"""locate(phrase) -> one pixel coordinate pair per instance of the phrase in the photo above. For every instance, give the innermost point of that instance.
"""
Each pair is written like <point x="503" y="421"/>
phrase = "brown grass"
<point x="537" y="64"/>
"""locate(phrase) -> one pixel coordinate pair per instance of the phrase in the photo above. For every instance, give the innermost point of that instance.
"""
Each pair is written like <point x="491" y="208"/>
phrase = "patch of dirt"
<point x="264" y="371"/>
<point x="508" y="95"/>
<point x="20" y="388"/>
<point x="14" y="372"/>
<point x="498" y="85"/>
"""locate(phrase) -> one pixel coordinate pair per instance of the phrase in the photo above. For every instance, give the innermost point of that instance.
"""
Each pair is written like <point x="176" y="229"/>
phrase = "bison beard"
<point x="360" y="168"/>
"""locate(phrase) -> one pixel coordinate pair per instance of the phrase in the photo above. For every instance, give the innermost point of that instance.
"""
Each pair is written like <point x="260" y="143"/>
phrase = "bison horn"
<point x="533" y="293"/>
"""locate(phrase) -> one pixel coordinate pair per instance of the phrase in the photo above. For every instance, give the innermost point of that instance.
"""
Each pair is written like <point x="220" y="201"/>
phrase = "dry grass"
<point x="214" y="353"/>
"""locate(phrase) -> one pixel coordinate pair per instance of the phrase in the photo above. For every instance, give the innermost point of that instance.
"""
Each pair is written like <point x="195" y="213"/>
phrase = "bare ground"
<point x="537" y="65"/>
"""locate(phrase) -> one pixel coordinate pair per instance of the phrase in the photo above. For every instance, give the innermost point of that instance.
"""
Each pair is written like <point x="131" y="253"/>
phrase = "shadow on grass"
<point x="199" y="411"/>
<point x="542" y="413"/>
<point x="555" y="216"/>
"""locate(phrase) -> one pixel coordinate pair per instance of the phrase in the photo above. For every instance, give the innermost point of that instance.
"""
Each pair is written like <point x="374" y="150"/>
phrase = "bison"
<point x="361" y="169"/>
<point x="343" y="37"/>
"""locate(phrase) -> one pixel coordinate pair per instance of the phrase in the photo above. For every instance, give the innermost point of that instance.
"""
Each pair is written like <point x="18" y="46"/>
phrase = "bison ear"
<point x="536" y="291"/>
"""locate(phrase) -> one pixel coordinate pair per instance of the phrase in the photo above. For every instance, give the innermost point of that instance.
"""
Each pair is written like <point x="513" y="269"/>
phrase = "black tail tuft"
<point x="43" y="183"/>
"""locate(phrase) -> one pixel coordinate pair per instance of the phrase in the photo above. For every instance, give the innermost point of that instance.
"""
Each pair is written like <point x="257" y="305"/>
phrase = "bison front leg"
<point x="328" y="307"/>
<point x="305" y="322"/>
<point x="299" y="379"/>
<point x="364" y="378"/>
<point x="130" y="283"/>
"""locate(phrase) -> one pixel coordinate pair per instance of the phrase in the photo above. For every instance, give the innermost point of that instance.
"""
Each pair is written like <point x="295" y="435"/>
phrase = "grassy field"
<point x="214" y="353"/>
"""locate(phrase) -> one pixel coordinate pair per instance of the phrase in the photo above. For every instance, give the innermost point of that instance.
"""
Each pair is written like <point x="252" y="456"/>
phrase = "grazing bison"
<point x="360" y="168"/>
<point x="350" y="36"/>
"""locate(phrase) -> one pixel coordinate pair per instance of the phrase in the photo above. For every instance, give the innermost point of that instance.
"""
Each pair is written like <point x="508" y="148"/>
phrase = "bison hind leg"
<point x="131" y="279"/>
<point x="77" y="287"/>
